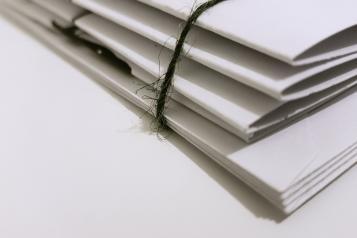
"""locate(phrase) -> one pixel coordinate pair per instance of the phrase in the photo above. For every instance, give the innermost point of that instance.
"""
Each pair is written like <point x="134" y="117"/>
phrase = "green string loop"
<point x="166" y="84"/>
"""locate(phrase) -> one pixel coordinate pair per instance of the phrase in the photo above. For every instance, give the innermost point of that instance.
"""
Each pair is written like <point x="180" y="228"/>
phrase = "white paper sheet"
<point x="297" y="32"/>
<point x="263" y="124"/>
<point x="277" y="79"/>
<point x="235" y="107"/>
<point x="28" y="9"/>
<point x="62" y="8"/>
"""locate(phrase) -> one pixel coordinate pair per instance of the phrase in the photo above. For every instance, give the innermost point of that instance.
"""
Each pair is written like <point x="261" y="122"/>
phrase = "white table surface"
<point x="78" y="161"/>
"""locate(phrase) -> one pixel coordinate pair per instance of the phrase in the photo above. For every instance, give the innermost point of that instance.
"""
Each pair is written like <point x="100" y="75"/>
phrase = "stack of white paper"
<point x="249" y="69"/>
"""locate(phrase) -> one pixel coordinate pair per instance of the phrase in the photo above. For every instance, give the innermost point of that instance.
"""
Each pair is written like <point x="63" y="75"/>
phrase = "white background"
<point x="78" y="161"/>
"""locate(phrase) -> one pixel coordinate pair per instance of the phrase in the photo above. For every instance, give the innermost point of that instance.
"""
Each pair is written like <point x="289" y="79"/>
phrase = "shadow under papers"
<point x="246" y="196"/>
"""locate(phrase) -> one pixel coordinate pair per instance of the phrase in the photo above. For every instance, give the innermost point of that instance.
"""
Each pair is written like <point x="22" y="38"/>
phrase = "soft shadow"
<point x="250" y="199"/>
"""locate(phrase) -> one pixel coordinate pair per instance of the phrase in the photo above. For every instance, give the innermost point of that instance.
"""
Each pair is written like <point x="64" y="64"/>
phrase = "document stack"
<point x="264" y="88"/>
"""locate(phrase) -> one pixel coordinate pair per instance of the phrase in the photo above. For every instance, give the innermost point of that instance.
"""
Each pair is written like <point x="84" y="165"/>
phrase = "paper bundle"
<point x="265" y="88"/>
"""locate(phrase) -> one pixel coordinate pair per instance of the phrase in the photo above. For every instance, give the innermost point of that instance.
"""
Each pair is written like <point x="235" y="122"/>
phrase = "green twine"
<point x="166" y="84"/>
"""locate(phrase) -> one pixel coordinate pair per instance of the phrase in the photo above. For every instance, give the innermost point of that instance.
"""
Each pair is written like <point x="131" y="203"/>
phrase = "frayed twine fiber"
<point x="166" y="83"/>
